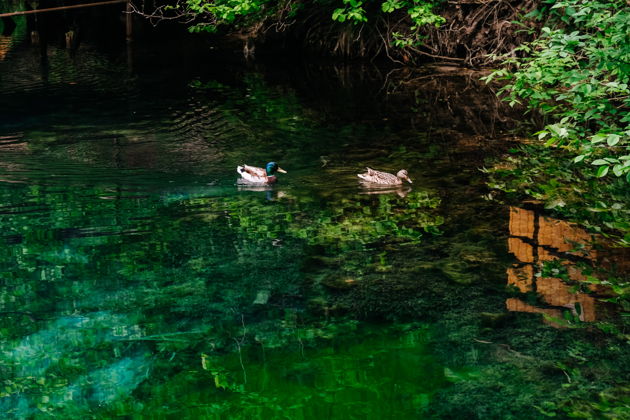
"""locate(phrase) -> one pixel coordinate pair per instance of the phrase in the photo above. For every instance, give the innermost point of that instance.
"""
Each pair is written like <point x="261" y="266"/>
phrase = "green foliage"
<point x="234" y="14"/>
<point x="577" y="73"/>
<point x="352" y="12"/>
<point x="420" y="12"/>
<point x="565" y="190"/>
<point x="223" y="12"/>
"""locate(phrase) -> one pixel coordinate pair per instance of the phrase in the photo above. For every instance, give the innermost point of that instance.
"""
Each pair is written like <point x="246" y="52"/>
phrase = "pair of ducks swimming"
<point x="256" y="175"/>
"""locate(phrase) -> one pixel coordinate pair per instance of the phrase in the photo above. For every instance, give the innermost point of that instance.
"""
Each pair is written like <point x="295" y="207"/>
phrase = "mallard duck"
<point x="255" y="175"/>
<point x="384" y="178"/>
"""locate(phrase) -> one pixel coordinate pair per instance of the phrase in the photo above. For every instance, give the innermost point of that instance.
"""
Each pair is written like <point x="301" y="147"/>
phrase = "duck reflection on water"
<point x="371" y="188"/>
<point x="270" y="191"/>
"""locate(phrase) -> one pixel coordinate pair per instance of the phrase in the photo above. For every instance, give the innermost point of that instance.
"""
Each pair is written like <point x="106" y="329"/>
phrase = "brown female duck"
<point x="384" y="178"/>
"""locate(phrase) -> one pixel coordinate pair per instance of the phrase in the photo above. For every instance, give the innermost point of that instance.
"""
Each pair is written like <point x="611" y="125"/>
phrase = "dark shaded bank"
<point x="472" y="31"/>
<point x="464" y="32"/>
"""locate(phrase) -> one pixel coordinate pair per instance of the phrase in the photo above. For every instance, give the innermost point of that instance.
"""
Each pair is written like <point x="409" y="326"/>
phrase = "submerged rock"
<point x="457" y="271"/>
<point x="339" y="282"/>
<point x="262" y="297"/>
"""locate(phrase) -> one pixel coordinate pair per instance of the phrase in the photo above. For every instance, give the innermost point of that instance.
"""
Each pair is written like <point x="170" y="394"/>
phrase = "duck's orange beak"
<point x="282" y="171"/>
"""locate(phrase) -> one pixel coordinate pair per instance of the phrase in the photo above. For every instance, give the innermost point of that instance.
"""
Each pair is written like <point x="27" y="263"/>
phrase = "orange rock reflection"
<point x="564" y="237"/>
<point x="522" y="222"/>
<point x="522" y="277"/>
<point x="517" y="305"/>
<point x="5" y="46"/>
<point x="535" y="239"/>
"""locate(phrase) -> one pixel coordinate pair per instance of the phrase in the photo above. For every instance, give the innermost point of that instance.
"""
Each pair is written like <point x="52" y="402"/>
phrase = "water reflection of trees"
<point x="555" y="260"/>
<point x="101" y="282"/>
<point x="454" y="104"/>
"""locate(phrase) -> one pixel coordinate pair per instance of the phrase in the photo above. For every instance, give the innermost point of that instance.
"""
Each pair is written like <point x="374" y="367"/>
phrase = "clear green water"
<point x="138" y="280"/>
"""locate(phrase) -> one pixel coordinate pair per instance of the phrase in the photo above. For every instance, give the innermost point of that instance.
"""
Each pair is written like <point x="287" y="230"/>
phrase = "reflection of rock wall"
<point x="517" y="305"/>
<point x="565" y="237"/>
<point x="534" y="239"/>
<point x="556" y="293"/>
<point x="5" y="46"/>
<point x="522" y="277"/>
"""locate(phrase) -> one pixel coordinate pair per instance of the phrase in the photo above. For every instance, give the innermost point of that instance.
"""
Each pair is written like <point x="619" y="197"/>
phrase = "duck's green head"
<point x="272" y="168"/>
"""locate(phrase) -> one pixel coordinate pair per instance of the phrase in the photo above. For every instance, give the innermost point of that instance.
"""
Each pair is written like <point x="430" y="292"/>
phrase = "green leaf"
<point x="338" y="15"/>
<point x="602" y="171"/>
<point x="598" y="138"/>
<point x="551" y="141"/>
<point x="599" y="162"/>
<point x="613" y="139"/>
<point x="579" y="158"/>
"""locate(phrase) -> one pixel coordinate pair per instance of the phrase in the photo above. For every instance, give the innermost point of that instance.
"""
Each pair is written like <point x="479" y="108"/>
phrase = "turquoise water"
<point x="139" y="280"/>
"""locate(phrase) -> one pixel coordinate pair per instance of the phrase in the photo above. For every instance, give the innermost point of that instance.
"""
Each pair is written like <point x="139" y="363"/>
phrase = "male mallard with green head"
<point x="255" y="175"/>
<point x="384" y="178"/>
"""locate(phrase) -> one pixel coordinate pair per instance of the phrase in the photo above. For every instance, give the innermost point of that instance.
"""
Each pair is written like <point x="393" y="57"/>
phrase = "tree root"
<point x="476" y="32"/>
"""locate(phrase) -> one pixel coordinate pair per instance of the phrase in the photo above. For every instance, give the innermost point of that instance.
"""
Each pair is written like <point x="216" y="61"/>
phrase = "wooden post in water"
<point x="35" y="35"/>
<point x="55" y="9"/>
<point x="129" y="27"/>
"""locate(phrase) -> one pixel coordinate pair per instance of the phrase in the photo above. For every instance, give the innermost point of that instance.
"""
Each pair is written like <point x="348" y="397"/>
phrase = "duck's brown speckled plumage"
<point x="384" y="178"/>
